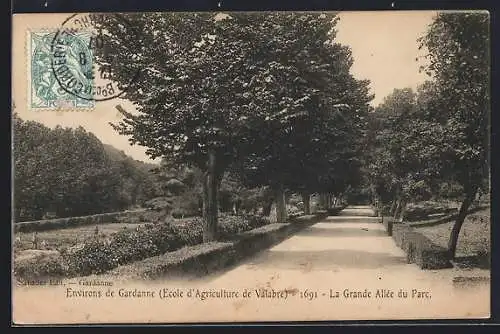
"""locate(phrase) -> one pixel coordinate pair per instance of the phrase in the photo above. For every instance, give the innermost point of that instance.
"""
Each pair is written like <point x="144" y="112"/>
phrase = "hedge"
<point x="419" y="249"/>
<point x="100" y="255"/>
<point x="203" y="259"/>
<point x="166" y="249"/>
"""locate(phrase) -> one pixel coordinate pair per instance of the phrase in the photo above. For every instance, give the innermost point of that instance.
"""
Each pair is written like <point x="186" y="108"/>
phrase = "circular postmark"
<point x="83" y="62"/>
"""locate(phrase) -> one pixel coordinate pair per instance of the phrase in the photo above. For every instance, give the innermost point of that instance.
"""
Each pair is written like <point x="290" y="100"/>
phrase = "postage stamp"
<point x="45" y="91"/>
<point x="71" y="67"/>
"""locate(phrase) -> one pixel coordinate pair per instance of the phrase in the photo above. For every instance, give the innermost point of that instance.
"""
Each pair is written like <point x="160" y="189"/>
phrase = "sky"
<point x="383" y="45"/>
<point x="384" y="48"/>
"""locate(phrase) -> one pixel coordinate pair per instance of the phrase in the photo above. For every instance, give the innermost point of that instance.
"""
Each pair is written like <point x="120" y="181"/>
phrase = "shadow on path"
<point x="350" y="220"/>
<point x="324" y="260"/>
<point x="341" y="232"/>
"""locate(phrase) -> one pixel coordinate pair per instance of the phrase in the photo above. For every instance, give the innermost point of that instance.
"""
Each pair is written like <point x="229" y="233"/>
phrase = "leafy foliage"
<point x="458" y="45"/>
<point x="434" y="142"/>
<point x="312" y="144"/>
<point x="260" y="93"/>
<point x="98" y="255"/>
<point x="70" y="173"/>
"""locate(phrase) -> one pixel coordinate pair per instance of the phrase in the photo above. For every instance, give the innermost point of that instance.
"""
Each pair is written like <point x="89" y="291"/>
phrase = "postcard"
<point x="238" y="167"/>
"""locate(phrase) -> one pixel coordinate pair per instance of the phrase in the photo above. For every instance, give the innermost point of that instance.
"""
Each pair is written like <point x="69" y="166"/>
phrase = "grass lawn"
<point x="66" y="237"/>
<point x="474" y="239"/>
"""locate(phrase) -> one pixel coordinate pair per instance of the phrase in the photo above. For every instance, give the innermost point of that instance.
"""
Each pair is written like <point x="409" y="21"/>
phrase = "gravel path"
<point x="343" y="268"/>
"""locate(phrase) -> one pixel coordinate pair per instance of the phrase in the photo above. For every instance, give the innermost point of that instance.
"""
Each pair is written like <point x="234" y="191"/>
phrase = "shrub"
<point x="186" y="205"/>
<point x="230" y="225"/>
<point x="203" y="259"/>
<point x="128" y="246"/>
<point x="159" y="203"/>
<point x="189" y="232"/>
<point x="258" y="221"/>
<point x="293" y="210"/>
<point x="420" y="249"/>
<point x="39" y="267"/>
<point x="97" y="256"/>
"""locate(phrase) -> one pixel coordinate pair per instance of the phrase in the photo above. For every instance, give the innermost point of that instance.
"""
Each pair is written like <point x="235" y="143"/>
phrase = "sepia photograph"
<point x="239" y="167"/>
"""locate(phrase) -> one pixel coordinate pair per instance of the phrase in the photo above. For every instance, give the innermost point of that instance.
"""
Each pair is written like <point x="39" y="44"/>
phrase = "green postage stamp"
<point x="45" y="90"/>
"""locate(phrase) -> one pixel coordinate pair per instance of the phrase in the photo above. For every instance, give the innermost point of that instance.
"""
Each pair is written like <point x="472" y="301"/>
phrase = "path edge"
<point x="207" y="258"/>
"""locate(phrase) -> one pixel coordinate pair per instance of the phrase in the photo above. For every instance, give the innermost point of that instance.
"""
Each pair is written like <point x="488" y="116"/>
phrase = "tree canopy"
<point x="269" y="93"/>
<point x="439" y="134"/>
<point x="69" y="172"/>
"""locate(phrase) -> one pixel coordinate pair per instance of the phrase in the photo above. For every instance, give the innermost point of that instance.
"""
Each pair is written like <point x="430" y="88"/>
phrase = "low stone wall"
<point x="53" y="224"/>
<point x="203" y="259"/>
<point x="419" y="249"/>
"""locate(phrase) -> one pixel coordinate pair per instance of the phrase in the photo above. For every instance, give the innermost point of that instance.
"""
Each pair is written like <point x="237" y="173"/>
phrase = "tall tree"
<point x="390" y="167"/>
<point x="62" y="170"/>
<point x="407" y="149"/>
<point x="458" y="61"/>
<point x="30" y="189"/>
<point x="185" y="110"/>
<point x="320" y="129"/>
<point x="208" y="82"/>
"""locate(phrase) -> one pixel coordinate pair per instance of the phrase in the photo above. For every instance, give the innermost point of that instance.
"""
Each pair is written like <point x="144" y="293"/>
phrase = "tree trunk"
<point x="376" y="204"/>
<point x="268" y="199"/>
<point x="398" y="208"/>
<point x="393" y="207"/>
<point x="328" y="201"/>
<point x="266" y="209"/>
<point x="280" y="204"/>
<point x="402" y="210"/>
<point x="455" y="231"/>
<point x="322" y="201"/>
<point x="239" y="209"/>
<point x="210" y="207"/>
<point x="306" y="199"/>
